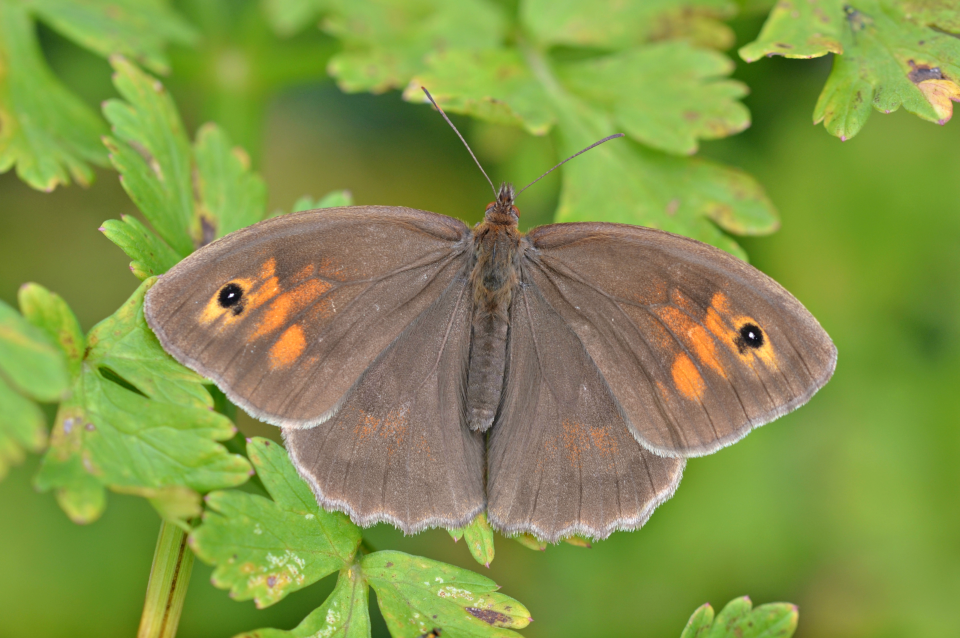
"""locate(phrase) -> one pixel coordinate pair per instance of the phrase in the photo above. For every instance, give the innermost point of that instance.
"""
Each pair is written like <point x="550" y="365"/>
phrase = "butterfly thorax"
<point x="497" y="252"/>
<point x="495" y="275"/>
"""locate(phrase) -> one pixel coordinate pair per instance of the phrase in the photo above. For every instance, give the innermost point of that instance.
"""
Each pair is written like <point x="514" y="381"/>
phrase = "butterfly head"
<point x="503" y="211"/>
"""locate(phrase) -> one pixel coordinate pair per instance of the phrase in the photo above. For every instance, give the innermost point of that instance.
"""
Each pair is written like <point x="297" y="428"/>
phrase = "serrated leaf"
<point x="150" y="255"/>
<point x="139" y="29"/>
<point x="344" y="614"/>
<point x="494" y="85"/>
<point x="29" y="361"/>
<point x="51" y="314"/>
<point x="629" y="184"/>
<point x="152" y="153"/>
<point x="231" y="197"/>
<point x="699" y="623"/>
<point x="738" y="619"/>
<point x="417" y="594"/>
<point x="479" y="538"/>
<point x="136" y="421"/>
<point x="190" y="196"/>
<point x="332" y="199"/>
<point x="892" y="54"/>
<point x="175" y="503"/>
<point x="45" y="131"/>
<point x="264" y="549"/>
<point x="530" y="542"/>
<point x="614" y="24"/>
<point x="385" y="41"/>
<point x="666" y="95"/>
<point x="22" y="428"/>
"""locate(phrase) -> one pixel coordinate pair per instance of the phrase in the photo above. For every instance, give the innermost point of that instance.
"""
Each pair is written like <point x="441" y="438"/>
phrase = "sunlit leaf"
<point x="344" y="614"/>
<point x="739" y="620"/>
<point x="136" y="421"/>
<point x="530" y="542"/>
<point x="385" y="41"/>
<point x="889" y="54"/>
<point x="614" y="24"/>
<point x="290" y="16"/>
<point x="417" y="595"/>
<point x="264" y="549"/>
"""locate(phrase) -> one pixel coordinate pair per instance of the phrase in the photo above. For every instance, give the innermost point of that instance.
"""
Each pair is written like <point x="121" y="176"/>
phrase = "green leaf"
<point x="138" y="29"/>
<point x="479" y="538"/>
<point x="22" y="428"/>
<point x="189" y="196"/>
<point x="417" y="594"/>
<point x="45" y="131"/>
<point x="231" y="197"/>
<point x="699" y="623"/>
<point x="530" y="542"/>
<point x="29" y="361"/>
<point x="585" y="101"/>
<point x="332" y="199"/>
<point x="343" y="615"/>
<point x="614" y="24"/>
<point x="739" y="620"/>
<point x="264" y="549"/>
<point x="890" y="54"/>
<point x="49" y="134"/>
<point x="136" y="422"/>
<point x="578" y="541"/>
<point x="50" y="313"/>
<point x="667" y="95"/>
<point x="385" y="41"/>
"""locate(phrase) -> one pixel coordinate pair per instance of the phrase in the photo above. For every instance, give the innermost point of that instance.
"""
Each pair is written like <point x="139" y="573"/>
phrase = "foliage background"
<point x="847" y="508"/>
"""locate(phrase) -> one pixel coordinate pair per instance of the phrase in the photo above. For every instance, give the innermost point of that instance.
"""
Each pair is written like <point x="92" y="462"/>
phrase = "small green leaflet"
<point x="345" y="614"/>
<point x="739" y="620"/>
<point x="478" y="536"/>
<point x="136" y="422"/>
<point x="45" y="131"/>
<point x="32" y="369"/>
<point x="190" y="196"/>
<point x="890" y="53"/>
<point x="417" y="595"/>
<point x="264" y="549"/>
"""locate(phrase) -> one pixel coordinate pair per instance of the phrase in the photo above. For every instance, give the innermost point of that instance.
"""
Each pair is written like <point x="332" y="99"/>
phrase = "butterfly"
<point x="423" y="371"/>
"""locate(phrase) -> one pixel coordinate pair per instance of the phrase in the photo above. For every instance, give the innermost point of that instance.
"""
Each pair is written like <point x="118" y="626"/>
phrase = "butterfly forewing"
<point x="399" y="449"/>
<point x="696" y="346"/>
<point x="285" y="316"/>
<point x="561" y="458"/>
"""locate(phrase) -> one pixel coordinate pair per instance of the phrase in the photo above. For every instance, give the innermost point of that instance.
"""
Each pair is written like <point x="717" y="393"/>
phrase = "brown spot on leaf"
<point x="923" y="72"/>
<point x="783" y="45"/>
<point x="490" y="616"/>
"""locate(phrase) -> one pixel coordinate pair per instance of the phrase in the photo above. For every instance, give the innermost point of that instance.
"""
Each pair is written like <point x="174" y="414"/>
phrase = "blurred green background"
<point x="848" y="507"/>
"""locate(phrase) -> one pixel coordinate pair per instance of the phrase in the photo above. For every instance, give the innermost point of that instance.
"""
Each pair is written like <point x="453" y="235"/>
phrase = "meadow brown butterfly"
<point x="423" y="371"/>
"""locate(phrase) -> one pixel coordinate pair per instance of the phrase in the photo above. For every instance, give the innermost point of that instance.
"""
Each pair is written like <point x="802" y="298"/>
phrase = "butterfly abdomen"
<point x="495" y="276"/>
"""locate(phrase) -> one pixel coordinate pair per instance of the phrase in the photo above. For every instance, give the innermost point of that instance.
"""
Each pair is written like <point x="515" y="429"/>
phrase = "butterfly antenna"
<point x="606" y="139"/>
<point x="489" y="181"/>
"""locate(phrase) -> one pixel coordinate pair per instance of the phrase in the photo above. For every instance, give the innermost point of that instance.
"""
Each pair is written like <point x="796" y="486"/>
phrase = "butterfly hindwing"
<point x="284" y="316"/>
<point x="561" y="459"/>
<point x="697" y="346"/>
<point x="399" y="449"/>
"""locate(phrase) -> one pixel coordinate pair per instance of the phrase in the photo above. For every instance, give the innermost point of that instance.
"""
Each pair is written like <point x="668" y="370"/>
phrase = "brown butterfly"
<point x="423" y="371"/>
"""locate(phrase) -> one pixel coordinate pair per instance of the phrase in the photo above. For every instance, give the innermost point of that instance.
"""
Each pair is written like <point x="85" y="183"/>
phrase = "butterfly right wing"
<point x="285" y="315"/>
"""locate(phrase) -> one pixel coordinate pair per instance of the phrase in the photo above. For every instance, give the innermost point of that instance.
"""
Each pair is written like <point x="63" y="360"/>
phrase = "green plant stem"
<point x="167" y="588"/>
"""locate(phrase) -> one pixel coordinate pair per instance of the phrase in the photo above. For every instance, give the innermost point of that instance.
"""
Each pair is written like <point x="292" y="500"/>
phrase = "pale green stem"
<point x="167" y="588"/>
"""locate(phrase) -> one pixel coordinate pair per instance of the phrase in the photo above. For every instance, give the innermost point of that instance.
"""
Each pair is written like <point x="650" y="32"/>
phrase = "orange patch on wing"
<point x="289" y="303"/>
<point x="697" y="338"/>
<point x="288" y="347"/>
<point x="686" y="378"/>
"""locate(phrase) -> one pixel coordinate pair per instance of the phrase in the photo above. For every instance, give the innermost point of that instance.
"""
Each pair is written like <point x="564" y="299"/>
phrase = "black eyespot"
<point x="750" y="337"/>
<point x="230" y="296"/>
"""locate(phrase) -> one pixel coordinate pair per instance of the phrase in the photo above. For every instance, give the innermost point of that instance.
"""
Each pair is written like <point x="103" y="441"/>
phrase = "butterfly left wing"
<point x="399" y="449"/>
<point x="561" y="459"/>
<point x="697" y="346"/>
